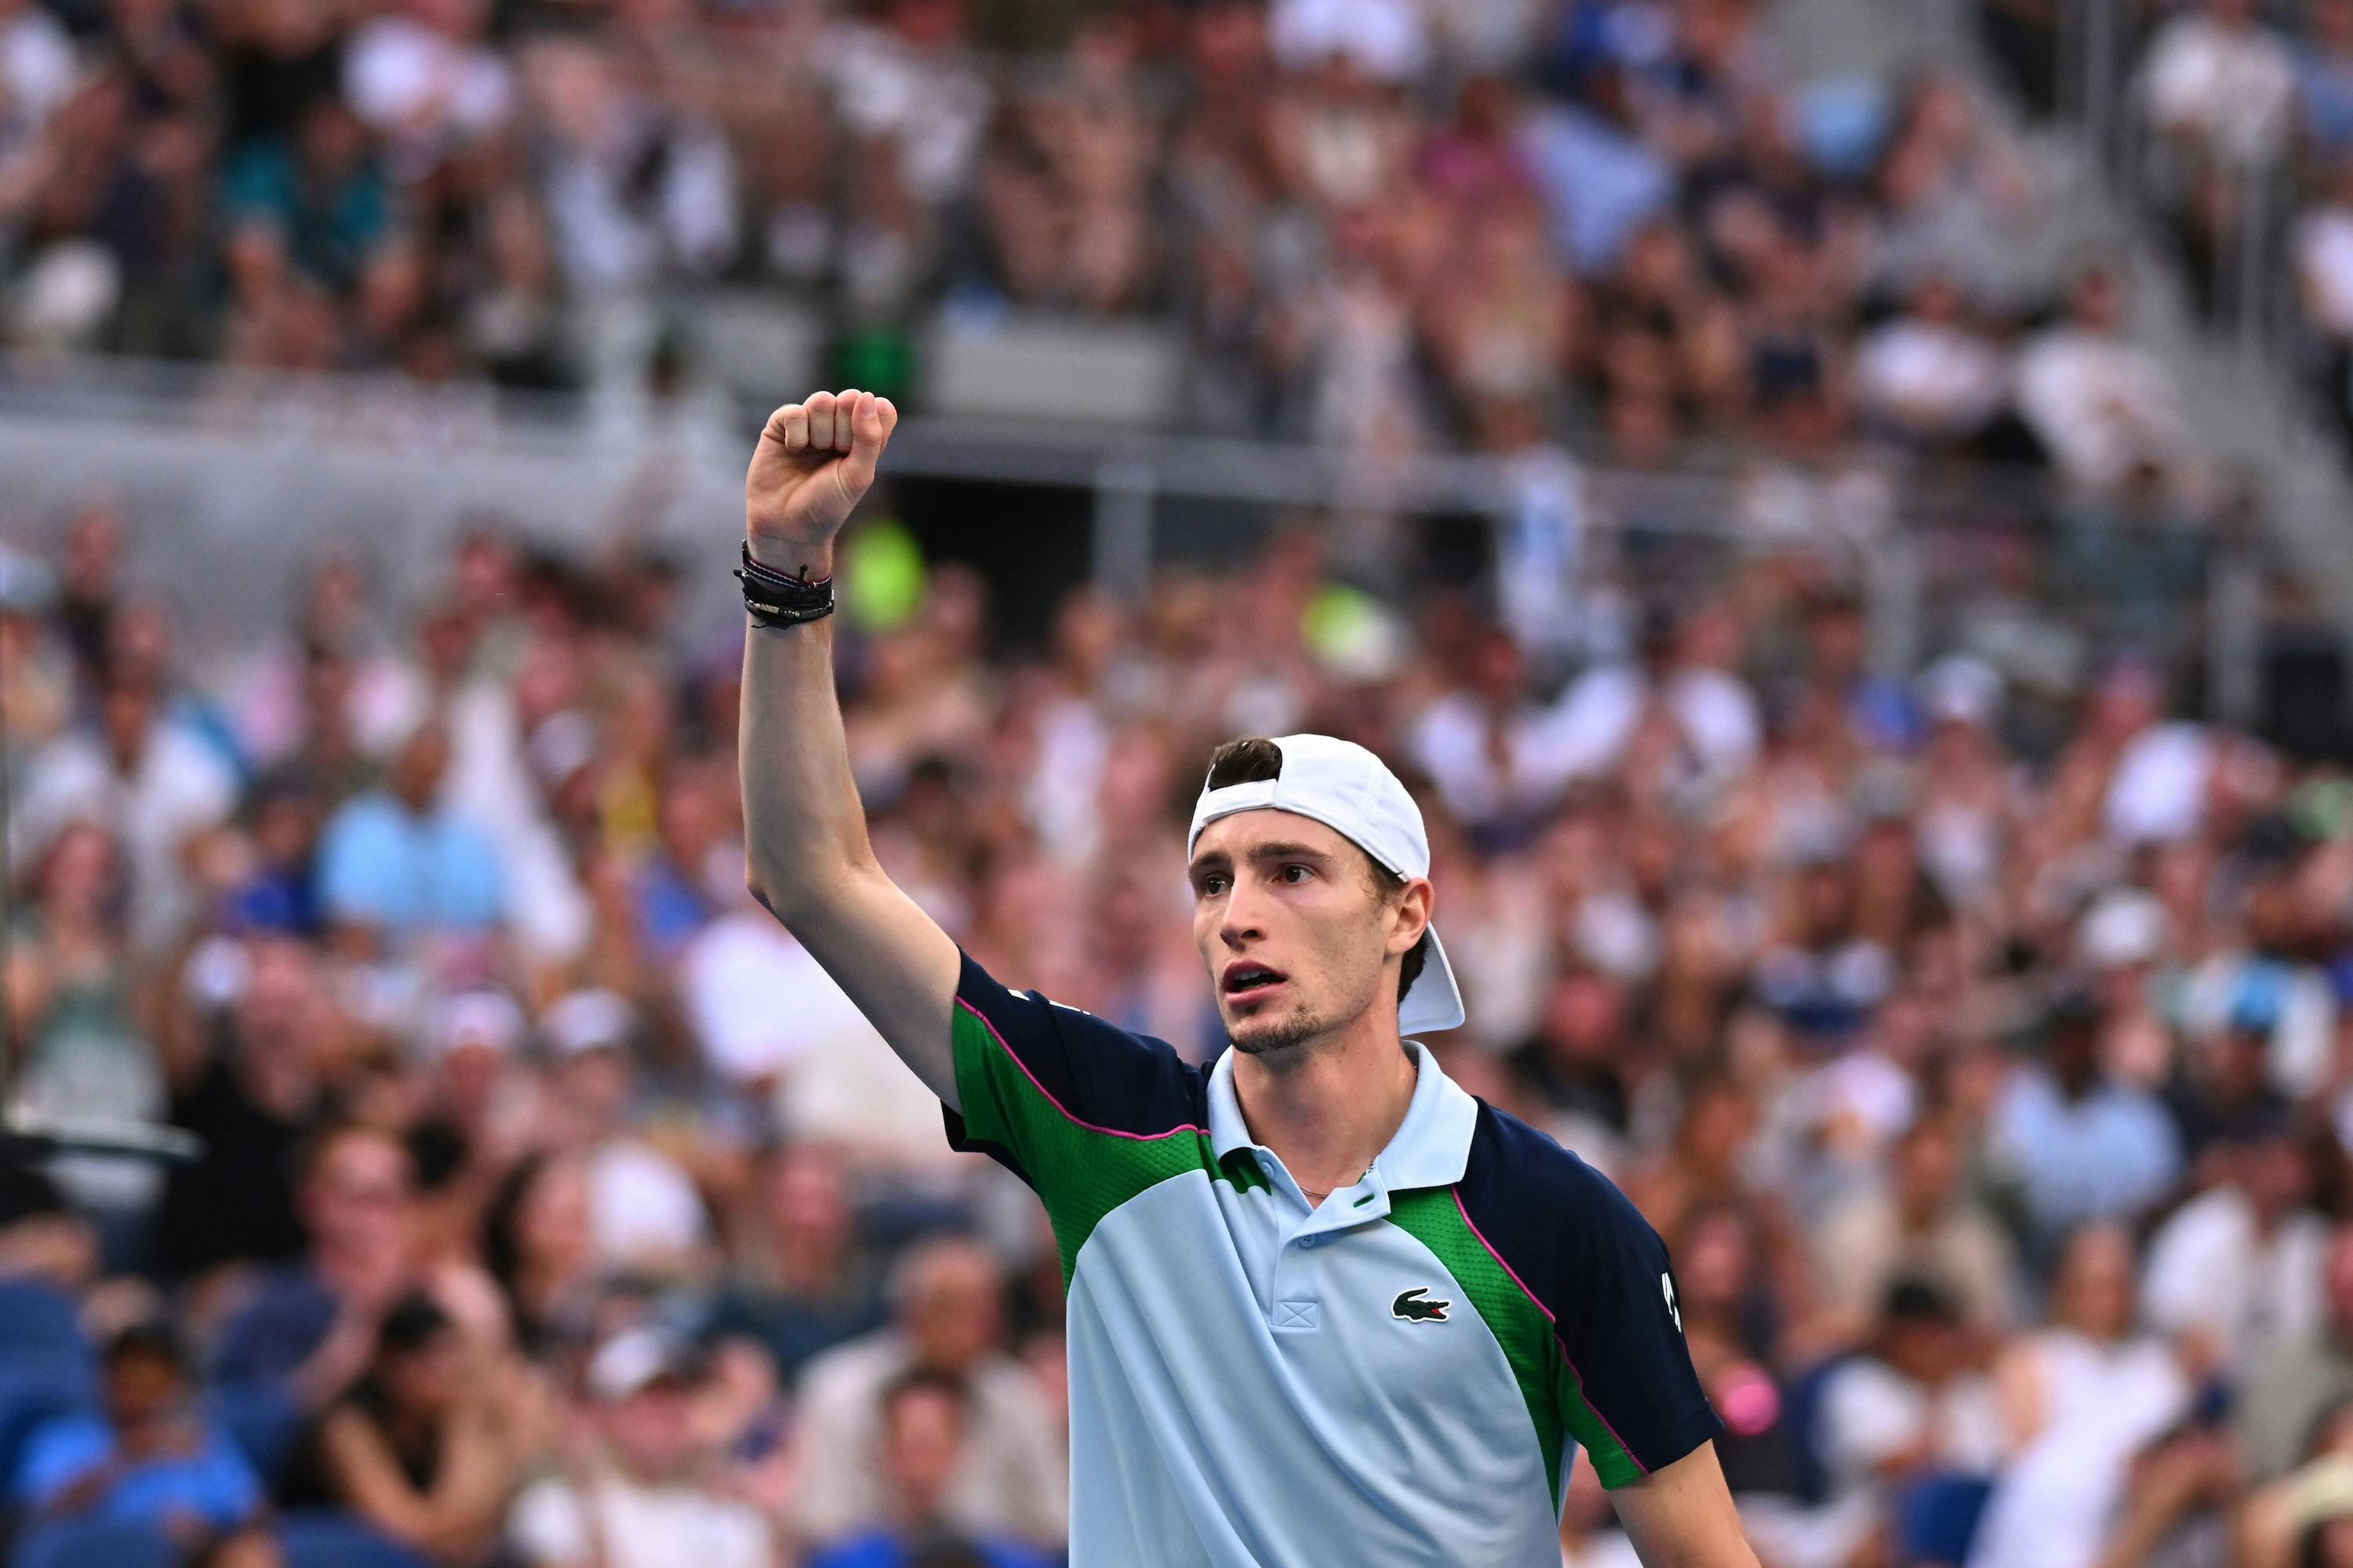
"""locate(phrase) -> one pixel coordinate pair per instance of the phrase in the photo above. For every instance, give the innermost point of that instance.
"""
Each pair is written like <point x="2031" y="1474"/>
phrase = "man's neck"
<point x="1329" y="1108"/>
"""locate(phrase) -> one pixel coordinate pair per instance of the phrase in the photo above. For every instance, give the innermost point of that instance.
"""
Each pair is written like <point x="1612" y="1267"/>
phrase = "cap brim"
<point x="1435" y="1003"/>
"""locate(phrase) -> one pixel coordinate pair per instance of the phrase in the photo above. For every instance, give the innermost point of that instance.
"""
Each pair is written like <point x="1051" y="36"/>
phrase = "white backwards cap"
<point x="1348" y="789"/>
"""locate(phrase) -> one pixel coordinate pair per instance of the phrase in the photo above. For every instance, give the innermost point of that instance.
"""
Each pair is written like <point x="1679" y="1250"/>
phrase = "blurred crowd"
<point x="1976" y="1034"/>
<point x="1382" y="223"/>
<point x="2235" y="118"/>
<point x="1983" y="1055"/>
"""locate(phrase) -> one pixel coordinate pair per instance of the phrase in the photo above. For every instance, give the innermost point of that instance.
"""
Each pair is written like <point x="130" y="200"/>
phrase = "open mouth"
<point x="1244" y="983"/>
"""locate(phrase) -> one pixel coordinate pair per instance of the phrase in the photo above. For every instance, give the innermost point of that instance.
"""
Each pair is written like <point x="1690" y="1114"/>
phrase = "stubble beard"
<point x="1277" y="1036"/>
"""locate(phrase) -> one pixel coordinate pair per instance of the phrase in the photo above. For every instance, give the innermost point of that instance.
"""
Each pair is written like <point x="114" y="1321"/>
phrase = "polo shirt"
<point x="1400" y="1376"/>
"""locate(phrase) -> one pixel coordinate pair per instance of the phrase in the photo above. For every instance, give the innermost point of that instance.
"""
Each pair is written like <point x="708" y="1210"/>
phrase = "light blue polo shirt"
<point x="1401" y="1375"/>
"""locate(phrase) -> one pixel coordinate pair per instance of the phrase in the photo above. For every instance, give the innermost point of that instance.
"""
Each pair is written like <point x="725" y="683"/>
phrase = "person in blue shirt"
<point x="398" y="863"/>
<point x="923" y="1418"/>
<point x="147" y="1459"/>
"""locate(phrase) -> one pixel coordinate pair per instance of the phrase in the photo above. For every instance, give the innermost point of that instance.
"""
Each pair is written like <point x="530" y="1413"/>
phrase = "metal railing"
<point x="233" y="482"/>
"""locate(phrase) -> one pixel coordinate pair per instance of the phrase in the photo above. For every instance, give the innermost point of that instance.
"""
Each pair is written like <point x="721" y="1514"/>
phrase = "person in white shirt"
<point x="2245" y="1259"/>
<point x="149" y="783"/>
<point x="1913" y="1406"/>
<point x="421" y="76"/>
<point x="2082" y="1398"/>
<point x="1930" y="375"/>
<point x="2221" y="79"/>
<point x="2103" y="407"/>
<point x="644" y="1210"/>
<point x="644" y="1498"/>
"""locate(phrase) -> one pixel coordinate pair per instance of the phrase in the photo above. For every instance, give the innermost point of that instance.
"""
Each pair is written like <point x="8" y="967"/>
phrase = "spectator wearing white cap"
<point x="642" y="1492"/>
<point x="644" y="1210"/>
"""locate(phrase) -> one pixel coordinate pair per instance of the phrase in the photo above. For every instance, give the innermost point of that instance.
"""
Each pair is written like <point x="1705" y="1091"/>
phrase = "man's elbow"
<point x="799" y="900"/>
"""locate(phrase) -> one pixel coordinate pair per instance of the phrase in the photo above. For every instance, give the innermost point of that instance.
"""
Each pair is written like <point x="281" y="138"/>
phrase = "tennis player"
<point x="1326" y="1308"/>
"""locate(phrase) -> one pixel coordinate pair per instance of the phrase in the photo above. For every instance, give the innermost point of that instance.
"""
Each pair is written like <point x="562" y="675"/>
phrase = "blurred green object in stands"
<point x="882" y="575"/>
<point x="1352" y="633"/>
<point x="875" y="359"/>
<point x="2323" y="808"/>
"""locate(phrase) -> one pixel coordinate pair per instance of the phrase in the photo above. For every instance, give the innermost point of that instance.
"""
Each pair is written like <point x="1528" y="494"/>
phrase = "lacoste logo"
<point x="1411" y="1307"/>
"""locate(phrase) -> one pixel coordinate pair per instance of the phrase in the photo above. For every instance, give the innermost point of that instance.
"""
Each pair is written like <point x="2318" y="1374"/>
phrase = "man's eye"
<point x="1296" y="874"/>
<point x="1212" y="886"/>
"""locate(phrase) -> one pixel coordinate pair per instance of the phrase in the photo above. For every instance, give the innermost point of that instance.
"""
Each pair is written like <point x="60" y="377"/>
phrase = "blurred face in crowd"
<point x="2338" y="1279"/>
<point x="143" y="1386"/>
<point x="417" y="768"/>
<point x="1716" y="1128"/>
<point x="1583" y="1019"/>
<point x="596" y="1085"/>
<point x="1923" y="1348"/>
<point x="356" y="1201"/>
<point x="1294" y="933"/>
<point x="1714" y="1262"/>
<point x="77" y="880"/>
<point x="652" y="1430"/>
<point x="808" y="1205"/>
<point x="278" y="982"/>
<point x="2276" y="1173"/>
<point x="2332" y="23"/>
<point x="1927" y="1168"/>
<point x="2093" y="1291"/>
<point x="555" y="1233"/>
<point x="426" y="1381"/>
<point x="93" y="551"/>
<point x="922" y="1445"/>
<point x="126" y="713"/>
<point x="953" y="1307"/>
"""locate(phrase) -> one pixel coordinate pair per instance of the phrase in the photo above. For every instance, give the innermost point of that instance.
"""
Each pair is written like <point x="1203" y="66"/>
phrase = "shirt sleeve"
<point x="59" y="1453"/>
<point x="1042" y="1086"/>
<point x="1621" y="1333"/>
<point x="1627" y="1392"/>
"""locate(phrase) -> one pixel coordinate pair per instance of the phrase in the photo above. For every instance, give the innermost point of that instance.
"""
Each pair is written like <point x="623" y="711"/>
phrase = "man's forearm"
<point x="803" y="825"/>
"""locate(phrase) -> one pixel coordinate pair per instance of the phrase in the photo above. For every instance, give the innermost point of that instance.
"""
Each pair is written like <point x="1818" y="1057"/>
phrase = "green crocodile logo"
<point x="1411" y="1307"/>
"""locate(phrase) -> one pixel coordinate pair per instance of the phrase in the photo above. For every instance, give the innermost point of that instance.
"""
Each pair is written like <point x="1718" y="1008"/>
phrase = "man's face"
<point x="954" y="1311"/>
<point x="1295" y="936"/>
<point x="141" y="1389"/>
<point x="653" y="1430"/>
<point x="358" y="1199"/>
<point x="922" y="1445"/>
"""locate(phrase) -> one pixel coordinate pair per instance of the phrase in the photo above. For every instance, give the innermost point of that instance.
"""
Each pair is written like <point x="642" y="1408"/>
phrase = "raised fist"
<point x="814" y="461"/>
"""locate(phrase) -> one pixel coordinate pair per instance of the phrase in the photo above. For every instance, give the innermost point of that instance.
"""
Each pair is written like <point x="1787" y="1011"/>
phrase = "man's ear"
<point x="1410" y="914"/>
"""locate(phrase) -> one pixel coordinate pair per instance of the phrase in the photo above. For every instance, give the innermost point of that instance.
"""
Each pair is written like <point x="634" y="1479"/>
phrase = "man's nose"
<point x="1242" y="921"/>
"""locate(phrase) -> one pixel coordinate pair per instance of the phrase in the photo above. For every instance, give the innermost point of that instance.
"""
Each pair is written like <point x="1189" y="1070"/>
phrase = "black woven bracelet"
<point x="774" y="598"/>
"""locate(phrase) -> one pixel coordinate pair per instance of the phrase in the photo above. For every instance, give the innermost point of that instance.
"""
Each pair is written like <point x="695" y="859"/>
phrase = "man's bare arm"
<point x="1681" y="1516"/>
<point x="810" y="862"/>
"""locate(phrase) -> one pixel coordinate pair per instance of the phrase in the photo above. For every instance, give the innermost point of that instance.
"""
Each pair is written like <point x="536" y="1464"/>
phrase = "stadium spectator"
<point x="802" y="1284"/>
<point x="2293" y="1375"/>
<point x="308" y="1328"/>
<point x="642" y="1495"/>
<point x="948" y="1315"/>
<point x="396" y="866"/>
<point x="412" y="1446"/>
<point x="924" y="1417"/>
<point x="1925" y="1225"/>
<point x="2101" y="407"/>
<point x="1911" y="1407"/>
<point x="149" y="1460"/>
<point x="2082" y="1398"/>
<point x="2219" y="78"/>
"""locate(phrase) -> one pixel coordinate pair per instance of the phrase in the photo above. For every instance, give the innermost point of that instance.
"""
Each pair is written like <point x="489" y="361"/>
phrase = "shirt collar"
<point x="1430" y="1147"/>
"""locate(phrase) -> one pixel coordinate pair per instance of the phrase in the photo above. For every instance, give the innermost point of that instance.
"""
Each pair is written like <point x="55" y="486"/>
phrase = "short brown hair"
<point x="1254" y="759"/>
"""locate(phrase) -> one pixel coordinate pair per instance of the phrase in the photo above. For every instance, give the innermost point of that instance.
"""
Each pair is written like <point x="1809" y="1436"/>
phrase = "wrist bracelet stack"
<point x="779" y="600"/>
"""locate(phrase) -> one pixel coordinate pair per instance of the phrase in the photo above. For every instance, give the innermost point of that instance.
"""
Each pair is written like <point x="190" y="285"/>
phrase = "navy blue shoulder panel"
<point x="1095" y="1073"/>
<point x="1591" y="1259"/>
